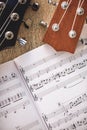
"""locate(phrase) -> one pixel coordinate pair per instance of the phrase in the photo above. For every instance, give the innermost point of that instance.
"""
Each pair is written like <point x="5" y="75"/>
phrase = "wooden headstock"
<point x="60" y="39"/>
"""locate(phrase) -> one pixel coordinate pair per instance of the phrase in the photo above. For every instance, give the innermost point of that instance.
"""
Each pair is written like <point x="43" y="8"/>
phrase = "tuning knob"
<point x="53" y="2"/>
<point x="35" y="6"/>
<point x="21" y="41"/>
<point x="44" y="24"/>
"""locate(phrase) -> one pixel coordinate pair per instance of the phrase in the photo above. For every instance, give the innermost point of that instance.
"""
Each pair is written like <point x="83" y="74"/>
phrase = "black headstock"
<point x="11" y="16"/>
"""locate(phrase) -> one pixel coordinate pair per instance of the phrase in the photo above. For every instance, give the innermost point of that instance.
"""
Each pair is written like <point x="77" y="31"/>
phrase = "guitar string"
<point x="79" y="5"/>
<point x="65" y="11"/>
<point x="3" y="9"/>
<point x="2" y="41"/>
<point x="9" y="16"/>
<point x="7" y="24"/>
<point x="58" y="24"/>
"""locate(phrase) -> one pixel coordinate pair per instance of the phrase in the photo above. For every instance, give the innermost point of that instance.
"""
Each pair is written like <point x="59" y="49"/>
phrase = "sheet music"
<point x="16" y="110"/>
<point x="58" y="84"/>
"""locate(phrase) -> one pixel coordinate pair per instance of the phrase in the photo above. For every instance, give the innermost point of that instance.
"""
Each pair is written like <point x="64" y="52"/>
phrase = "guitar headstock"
<point x="66" y="25"/>
<point x="11" y="15"/>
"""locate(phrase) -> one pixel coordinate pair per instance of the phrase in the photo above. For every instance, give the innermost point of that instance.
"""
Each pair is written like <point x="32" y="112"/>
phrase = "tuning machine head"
<point x="53" y="3"/>
<point x="35" y="6"/>
<point x="43" y="23"/>
<point x="22" y="41"/>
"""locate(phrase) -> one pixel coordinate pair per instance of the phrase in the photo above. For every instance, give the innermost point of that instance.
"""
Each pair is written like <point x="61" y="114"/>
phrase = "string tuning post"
<point x="35" y="6"/>
<point x="72" y="33"/>
<point x="43" y="23"/>
<point x="55" y="27"/>
<point x="21" y="41"/>
<point x="64" y="4"/>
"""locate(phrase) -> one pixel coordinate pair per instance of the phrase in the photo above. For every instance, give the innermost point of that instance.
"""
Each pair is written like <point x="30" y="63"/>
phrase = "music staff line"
<point x="28" y="126"/>
<point x="10" y="89"/>
<point x="60" y="63"/>
<point x="77" y="124"/>
<point x="66" y="107"/>
<point x="14" y="109"/>
<point x="40" y="62"/>
<point x="12" y="99"/>
<point x="48" y="69"/>
<point x="56" y="77"/>
<point x="7" y="78"/>
<point x="65" y="84"/>
<point x="70" y="117"/>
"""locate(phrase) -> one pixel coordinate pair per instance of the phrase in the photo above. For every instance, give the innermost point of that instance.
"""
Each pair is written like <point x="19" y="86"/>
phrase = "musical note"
<point x="13" y="99"/>
<point x="29" y="126"/>
<point x="51" y="67"/>
<point x="69" y="117"/>
<point x="70" y="105"/>
<point x="59" y="75"/>
<point x="4" y="113"/>
<point x="10" y="89"/>
<point x="7" y="78"/>
<point x="77" y="124"/>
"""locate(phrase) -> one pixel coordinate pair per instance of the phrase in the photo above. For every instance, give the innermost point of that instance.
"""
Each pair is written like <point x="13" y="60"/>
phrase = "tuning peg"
<point x="53" y="3"/>
<point x="27" y="23"/>
<point x="44" y="24"/>
<point x="35" y="6"/>
<point x="21" y="41"/>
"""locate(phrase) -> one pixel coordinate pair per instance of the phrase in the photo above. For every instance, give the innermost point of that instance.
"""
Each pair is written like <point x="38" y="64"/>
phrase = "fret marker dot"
<point x="80" y="11"/>
<point x="55" y="27"/>
<point x="72" y="34"/>
<point x="64" y="4"/>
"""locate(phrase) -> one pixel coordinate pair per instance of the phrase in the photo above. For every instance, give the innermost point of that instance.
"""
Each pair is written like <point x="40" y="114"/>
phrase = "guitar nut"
<point x="9" y="35"/>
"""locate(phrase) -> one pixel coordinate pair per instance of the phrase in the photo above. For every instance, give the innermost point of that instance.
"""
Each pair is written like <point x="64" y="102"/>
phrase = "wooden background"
<point x="34" y="35"/>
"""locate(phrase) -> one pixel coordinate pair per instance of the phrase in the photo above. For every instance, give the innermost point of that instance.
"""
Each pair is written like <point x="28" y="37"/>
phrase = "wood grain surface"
<point x="34" y="35"/>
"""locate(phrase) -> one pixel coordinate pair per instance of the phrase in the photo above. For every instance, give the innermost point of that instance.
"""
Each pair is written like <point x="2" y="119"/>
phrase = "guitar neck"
<point x="60" y="39"/>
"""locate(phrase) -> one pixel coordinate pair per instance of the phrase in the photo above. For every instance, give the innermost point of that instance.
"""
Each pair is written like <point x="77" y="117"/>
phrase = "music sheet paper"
<point x="57" y="82"/>
<point x="16" y="109"/>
